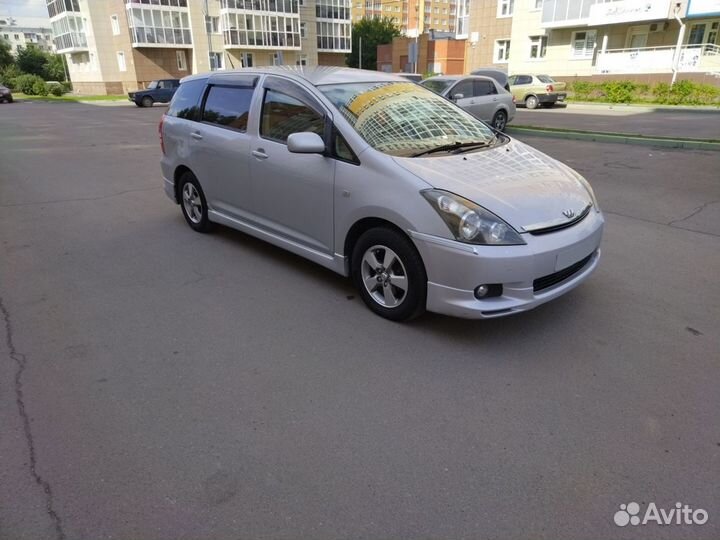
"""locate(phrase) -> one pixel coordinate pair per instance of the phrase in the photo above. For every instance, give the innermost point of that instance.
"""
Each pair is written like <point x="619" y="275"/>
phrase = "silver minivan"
<point x="380" y="179"/>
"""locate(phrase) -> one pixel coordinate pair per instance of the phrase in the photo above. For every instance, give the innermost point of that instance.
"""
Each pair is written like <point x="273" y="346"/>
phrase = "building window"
<point x="505" y="8"/>
<point x="538" y="46"/>
<point x="302" y="60"/>
<point x="216" y="61"/>
<point x="121" y="61"/>
<point x="212" y="25"/>
<point x="160" y="26"/>
<point x="303" y="30"/>
<point x="115" y="23"/>
<point x="583" y="44"/>
<point x="502" y="51"/>
<point x="181" y="60"/>
<point x="246" y="60"/>
<point x="277" y="59"/>
<point x="537" y="5"/>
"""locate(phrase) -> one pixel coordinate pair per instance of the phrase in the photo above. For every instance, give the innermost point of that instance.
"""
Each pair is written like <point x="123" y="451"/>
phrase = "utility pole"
<point x="360" y="52"/>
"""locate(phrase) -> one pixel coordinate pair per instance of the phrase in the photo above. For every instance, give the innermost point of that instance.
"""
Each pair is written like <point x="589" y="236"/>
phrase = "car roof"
<point x="459" y="77"/>
<point x="315" y="75"/>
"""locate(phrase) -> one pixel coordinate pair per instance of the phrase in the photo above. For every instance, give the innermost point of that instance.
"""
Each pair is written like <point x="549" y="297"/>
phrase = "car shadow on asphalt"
<point x="547" y="318"/>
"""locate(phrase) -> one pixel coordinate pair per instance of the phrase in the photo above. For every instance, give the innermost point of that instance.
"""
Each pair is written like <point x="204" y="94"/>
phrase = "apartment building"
<point x="24" y="31"/>
<point x="413" y="17"/>
<point x="117" y="46"/>
<point x="614" y="39"/>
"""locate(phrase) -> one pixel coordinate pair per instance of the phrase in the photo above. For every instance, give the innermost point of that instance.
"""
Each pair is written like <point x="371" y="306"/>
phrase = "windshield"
<point x="404" y="119"/>
<point x="437" y="85"/>
<point x="153" y="85"/>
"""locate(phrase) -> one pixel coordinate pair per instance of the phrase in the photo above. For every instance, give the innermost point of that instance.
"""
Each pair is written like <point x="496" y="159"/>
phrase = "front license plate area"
<point x="571" y="255"/>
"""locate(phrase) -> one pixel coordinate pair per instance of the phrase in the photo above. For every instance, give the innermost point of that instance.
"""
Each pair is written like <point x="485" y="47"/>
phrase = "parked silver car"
<point x="483" y="97"/>
<point x="380" y="179"/>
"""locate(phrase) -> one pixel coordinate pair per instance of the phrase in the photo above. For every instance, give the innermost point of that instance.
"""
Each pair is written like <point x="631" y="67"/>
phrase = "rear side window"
<point x="545" y="79"/>
<point x="228" y="106"/>
<point x="523" y="79"/>
<point x="485" y="88"/>
<point x="186" y="101"/>
<point x="283" y="115"/>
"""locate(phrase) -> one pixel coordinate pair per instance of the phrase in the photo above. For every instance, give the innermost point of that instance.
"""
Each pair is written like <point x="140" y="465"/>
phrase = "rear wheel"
<point x="499" y="121"/>
<point x="9" y="99"/>
<point x="390" y="275"/>
<point x="531" y="102"/>
<point x="193" y="203"/>
<point x="147" y="101"/>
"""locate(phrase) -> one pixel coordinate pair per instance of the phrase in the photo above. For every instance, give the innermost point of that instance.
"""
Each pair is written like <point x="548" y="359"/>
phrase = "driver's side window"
<point x="283" y="115"/>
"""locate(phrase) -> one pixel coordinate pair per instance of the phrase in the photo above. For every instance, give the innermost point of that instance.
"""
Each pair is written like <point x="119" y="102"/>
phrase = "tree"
<point x="374" y="32"/>
<point x="55" y="68"/>
<point x="6" y="57"/>
<point x="31" y="60"/>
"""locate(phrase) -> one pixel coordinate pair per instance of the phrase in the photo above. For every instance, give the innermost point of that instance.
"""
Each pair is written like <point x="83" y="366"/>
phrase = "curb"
<point x="573" y="135"/>
<point x="650" y="106"/>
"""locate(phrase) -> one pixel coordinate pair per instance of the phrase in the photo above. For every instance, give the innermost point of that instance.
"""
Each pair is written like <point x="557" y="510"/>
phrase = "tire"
<point x="375" y="248"/>
<point x="147" y="101"/>
<point x="499" y="121"/>
<point x="531" y="102"/>
<point x="193" y="203"/>
<point x="10" y="99"/>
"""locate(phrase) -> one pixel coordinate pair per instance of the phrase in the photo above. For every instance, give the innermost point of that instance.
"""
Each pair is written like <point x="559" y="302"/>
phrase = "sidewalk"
<point x="630" y="120"/>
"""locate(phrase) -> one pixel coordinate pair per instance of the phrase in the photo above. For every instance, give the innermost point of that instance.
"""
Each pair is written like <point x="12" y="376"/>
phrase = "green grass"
<point x="71" y="98"/>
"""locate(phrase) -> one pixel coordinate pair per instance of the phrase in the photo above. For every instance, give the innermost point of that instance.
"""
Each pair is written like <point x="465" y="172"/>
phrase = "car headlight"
<point x="469" y="222"/>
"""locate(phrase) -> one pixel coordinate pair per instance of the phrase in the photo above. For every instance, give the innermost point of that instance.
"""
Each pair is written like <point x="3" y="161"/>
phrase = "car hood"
<point x="523" y="186"/>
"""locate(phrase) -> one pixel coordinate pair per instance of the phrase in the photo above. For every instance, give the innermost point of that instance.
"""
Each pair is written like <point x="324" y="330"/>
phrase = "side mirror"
<point x="305" y="143"/>
<point x="455" y="97"/>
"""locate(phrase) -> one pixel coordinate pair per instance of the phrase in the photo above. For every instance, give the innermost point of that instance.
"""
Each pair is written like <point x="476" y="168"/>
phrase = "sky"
<point x="23" y="8"/>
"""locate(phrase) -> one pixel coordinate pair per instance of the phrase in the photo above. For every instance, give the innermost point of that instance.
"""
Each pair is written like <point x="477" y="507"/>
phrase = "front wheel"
<point x="193" y="203"/>
<point x="147" y="101"/>
<point x="531" y="102"/>
<point x="390" y="275"/>
<point x="499" y="121"/>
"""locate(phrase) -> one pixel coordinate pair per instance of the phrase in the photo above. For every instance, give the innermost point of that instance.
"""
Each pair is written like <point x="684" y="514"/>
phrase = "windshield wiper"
<point x="455" y="146"/>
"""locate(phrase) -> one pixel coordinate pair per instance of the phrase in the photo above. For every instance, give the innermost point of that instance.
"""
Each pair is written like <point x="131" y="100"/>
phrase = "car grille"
<point x="577" y="219"/>
<point x="546" y="282"/>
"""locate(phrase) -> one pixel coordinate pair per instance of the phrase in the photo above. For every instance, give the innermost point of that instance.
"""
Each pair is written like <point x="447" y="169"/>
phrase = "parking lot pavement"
<point x="158" y="383"/>
<point x="625" y="119"/>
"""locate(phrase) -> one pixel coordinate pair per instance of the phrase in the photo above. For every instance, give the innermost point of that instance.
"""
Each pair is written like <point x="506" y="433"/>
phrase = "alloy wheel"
<point x="192" y="203"/>
<point x="384" y="276"/>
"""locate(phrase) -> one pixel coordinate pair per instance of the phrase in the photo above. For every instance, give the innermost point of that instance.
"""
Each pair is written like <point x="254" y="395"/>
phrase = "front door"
<point x="292" y="193"/>
<point x="463" y="94"/>
<point x="486" y="96"/>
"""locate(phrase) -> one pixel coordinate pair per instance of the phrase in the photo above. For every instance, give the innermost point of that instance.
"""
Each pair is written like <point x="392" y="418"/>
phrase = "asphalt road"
<point x="633" y="120"/>
<point x="156" y="383"/>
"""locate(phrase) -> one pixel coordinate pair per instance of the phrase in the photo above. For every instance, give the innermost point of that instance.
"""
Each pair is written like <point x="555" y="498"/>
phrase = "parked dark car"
<point x="160" y="91"/>
<point x="5" y="94"/>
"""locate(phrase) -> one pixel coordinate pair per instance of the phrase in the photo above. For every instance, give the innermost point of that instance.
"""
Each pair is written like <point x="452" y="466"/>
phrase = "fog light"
<point x="489" y="290"/>
<point x="481" y="291"/>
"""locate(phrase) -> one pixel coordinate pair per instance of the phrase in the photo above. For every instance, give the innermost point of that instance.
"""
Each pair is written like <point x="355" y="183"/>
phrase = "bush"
<point x="66" y="86"/>
<point x="56" y="90"/>
<point x="618" y="91"/>
<point x="24" y="83"/>
<point x="583" y="89"/>
<point x="8" y="75"/>
<point x="40" y="88"/>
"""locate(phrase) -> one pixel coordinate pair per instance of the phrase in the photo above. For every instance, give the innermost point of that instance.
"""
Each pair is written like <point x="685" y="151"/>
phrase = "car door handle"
<point x="260" y="153"/>
<point x="494" y="99"/>
<point x="195" y="135"/>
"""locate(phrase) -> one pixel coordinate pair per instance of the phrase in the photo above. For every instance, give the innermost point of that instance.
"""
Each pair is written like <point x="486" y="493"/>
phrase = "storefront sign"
<point x="628" y="11"/>
<point x="699" y="8"/>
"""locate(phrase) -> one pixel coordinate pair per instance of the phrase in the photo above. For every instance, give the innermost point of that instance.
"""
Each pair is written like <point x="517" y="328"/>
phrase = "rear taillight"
<point x="160" y="132"/>
<point x="549" y="88"/>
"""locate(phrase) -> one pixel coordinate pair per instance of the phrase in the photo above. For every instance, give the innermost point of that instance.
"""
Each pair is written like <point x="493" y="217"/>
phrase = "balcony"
<point x="159" y="25"/>
<point x="68" y="31"/>
<point x="578" y="13"/>
<point x="703" y="58"/>
<point x="261" y="24"/>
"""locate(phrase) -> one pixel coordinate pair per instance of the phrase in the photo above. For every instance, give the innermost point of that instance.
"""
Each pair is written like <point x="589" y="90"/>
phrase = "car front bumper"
<point x="556" y="262"/>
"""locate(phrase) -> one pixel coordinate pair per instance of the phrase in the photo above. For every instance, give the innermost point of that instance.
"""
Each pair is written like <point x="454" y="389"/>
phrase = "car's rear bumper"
<point x="546" y="267"/>
<point x="552" y="98"/>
